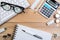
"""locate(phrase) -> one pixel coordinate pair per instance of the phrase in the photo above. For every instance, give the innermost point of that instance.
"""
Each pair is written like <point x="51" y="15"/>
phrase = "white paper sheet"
<point x="25" y="36"/>
<point x="20" y="35"/>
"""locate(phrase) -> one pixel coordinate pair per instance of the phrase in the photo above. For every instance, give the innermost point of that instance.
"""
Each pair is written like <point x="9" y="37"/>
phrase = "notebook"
<point x="27" y="33"/>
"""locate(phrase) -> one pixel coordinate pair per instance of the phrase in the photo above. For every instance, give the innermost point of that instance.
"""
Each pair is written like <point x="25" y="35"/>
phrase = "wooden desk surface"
<point x="31" y="19"/>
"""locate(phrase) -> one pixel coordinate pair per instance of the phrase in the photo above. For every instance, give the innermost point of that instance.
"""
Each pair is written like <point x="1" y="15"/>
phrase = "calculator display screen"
<point x="53" y="3"/>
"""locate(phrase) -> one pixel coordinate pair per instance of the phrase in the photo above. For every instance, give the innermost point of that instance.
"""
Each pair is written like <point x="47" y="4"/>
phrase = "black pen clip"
<point x="38" y="37"/>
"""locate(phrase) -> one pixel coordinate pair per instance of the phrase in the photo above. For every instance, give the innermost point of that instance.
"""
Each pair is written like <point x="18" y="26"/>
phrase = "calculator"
<point x="48" y="8"/>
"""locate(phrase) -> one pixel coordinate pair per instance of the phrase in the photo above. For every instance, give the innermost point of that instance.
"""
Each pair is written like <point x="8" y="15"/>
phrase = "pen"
<point x="39" y="37"/>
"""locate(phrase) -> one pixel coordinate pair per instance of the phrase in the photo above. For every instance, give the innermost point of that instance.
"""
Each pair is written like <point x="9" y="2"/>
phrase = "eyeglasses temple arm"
<point x="0" y="4"/>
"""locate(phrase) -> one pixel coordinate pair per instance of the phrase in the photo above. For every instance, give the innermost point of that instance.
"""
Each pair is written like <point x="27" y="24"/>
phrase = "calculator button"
<point x="47" y="12"/>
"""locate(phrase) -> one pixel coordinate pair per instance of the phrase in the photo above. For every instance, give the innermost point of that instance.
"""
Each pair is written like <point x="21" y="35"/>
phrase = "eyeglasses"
<point x="15" y="8"/>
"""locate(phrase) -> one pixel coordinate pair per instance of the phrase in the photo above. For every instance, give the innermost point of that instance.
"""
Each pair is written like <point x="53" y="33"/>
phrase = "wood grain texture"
<point x="40" y="26"/>
<point x="31" y="19"/>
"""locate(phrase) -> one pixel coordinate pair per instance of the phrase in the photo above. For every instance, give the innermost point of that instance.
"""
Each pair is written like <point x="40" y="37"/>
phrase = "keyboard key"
<point x="6" y="15"/>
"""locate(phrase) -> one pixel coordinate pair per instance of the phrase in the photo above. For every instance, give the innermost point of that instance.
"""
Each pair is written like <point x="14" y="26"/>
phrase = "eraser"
<point x="50" y="22"/>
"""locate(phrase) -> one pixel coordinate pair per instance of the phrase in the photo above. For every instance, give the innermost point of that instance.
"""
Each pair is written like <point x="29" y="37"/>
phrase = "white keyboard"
<point x="6" y="15"/>
<point x="23" y="3"/>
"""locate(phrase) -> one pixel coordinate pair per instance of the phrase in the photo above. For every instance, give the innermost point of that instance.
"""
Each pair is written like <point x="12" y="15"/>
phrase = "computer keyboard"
<point x="6" y="15"/>
<point x="23" y="3"/>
